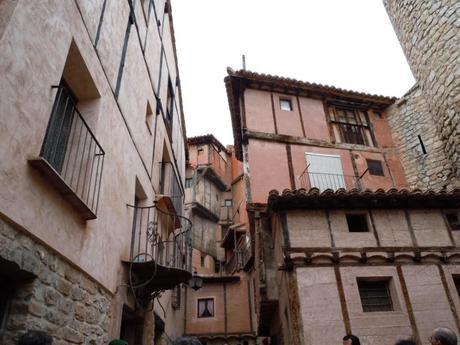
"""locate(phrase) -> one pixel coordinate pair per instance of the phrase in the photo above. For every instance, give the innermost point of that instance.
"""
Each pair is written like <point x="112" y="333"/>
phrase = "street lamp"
<point x="196" y="282"/>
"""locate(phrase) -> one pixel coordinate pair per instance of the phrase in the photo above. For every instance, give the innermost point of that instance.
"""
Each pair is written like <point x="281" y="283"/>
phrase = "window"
<point x="149" y="118"/>
<point x="188" y="182"/>
<point x="170" y="102"/>
<point x="456" y="279"/>
<point x="375" y="167"/>
<point x="202" y="260"/>
<point x="375" y="295"/>
<point x="286" y="104"/>
<point x="205" y="307"/>
<point x="5" y="299"/>
<point x="357" y="223"/>
<point x="228" y="202"/>
<point x="351" y="126"/>
<point x="453" y="220"/>
<point x="71" y="157"/>
<point x="176" y="297"/>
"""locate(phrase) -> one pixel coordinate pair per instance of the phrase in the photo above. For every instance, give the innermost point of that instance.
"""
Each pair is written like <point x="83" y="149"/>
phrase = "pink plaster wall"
<point x="258" y="108"/>
<point x="382" y="131"/>
<point x="268" y="168"/>
<point x="314" y="119"/>
<point x="369" y="181"/>
<point x="287" y="122"/>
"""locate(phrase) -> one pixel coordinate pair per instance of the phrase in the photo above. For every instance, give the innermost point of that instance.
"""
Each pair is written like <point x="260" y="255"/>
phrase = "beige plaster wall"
<point x="376" y="327"/>
<point x="32" y="64"/>
<point x="344" y="238"/>
<point x="320" y="306"/>
<point x="392" y="228"/>
<point x="429" y="228"/>
<point x="308" y="228"/>
<point x="428" y="299"/>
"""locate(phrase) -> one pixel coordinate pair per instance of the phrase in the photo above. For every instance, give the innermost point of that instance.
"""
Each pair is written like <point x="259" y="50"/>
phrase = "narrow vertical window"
<point x="422" y="145"/>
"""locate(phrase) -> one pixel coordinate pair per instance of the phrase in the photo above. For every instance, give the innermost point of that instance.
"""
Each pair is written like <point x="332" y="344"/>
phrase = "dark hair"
<point x="406" y="342"/>
<point x="445" y="335"/>
<point x="35" y="338"/>
<point x="354" y="339"/>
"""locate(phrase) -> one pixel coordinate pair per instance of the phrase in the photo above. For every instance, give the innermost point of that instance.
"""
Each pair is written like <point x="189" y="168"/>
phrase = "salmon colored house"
<point x="341" y="246"/>
<point x="222" y="311"/>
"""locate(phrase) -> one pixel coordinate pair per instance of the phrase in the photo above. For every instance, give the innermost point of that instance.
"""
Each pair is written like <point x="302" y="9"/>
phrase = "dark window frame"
<point x="353" y="129"/>
<point x="373" y="290"/>
<point x="206" y="313"/>
<point x="456" y="279"/>
<point x="286" y="101"/>
<point x="453" y="224"/>
<point x="355" y="228"/>
<point x="375" y="167"/>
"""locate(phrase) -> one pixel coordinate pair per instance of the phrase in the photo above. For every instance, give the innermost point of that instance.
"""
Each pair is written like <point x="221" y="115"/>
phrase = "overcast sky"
<point x="345" y="43"/>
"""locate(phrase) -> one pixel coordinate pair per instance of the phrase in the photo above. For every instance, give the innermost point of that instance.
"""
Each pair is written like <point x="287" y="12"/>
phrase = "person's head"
<point x="406" y="342"/>
<point x="351" y="339"/>
<point x="443" y="336"/>
<point x="35" y="338"/>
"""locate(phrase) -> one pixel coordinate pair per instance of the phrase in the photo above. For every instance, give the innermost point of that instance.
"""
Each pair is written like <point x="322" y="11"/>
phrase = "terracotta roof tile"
<point x="353" y="198"/>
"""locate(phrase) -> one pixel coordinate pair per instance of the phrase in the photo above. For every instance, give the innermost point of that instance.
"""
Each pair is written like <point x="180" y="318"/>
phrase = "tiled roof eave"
<point x="354" y="199"/>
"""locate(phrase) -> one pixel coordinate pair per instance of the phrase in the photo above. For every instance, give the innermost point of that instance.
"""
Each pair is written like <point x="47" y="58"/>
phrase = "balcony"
<point x="226" y="215"/>
<point x="71" y="158"/>
<point x="161" y="251"/>
<point x="323" y="181"/>
<point x="242" y="258"/>
<point x="170" y="187"/>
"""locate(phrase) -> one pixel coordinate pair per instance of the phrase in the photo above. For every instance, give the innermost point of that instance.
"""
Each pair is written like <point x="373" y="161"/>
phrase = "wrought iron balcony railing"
<point x="161" y="248"/>
<point x="325" y="181"/>
<point x="71" y="157"/>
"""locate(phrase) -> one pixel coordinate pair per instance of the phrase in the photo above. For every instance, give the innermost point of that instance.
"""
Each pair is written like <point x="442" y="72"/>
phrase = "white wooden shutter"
<point x="325" y="171"/>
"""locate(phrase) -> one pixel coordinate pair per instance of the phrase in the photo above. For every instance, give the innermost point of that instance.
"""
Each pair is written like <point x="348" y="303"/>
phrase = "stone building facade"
<point x="429" y="115"/>
<point x="92" y="140"/>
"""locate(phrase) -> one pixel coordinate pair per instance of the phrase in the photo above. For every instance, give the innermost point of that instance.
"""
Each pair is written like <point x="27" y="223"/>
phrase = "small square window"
<point x="357" y="223"/>
<point x="286" y="104"/>
<point x="375" y="295"/>
<point x="228" y="202"/>
<point x="375" y="167"/>
<point x="453" y="220"/>
<point x="205" y="307"/>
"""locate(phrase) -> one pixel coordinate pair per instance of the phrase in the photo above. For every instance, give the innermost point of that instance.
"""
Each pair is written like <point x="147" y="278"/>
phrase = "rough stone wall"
<point x="429" y="33"/>
<point x="409" y="118"/>
<point x="61" y="300"/>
